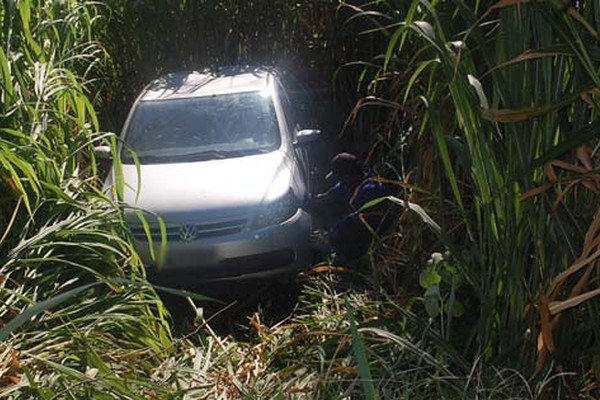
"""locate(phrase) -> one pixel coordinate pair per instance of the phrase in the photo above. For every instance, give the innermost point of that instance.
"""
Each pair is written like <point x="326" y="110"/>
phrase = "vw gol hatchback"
<point x="221" y="162"/>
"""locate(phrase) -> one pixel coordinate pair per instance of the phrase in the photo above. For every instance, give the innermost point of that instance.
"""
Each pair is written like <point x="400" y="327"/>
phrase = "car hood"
<point x="207" y="190"/>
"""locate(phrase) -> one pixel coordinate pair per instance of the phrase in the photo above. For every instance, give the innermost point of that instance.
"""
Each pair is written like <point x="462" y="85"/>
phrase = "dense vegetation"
<point x="486" y="117"/>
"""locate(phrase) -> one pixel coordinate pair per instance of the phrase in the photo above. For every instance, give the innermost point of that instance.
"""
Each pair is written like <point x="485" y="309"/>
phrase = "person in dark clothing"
<point x="353" y="224"/>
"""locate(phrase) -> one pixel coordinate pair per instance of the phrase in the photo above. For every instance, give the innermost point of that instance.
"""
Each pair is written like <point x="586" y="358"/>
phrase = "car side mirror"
<point x="305" y="136"/>
<point x="102" y="152"/>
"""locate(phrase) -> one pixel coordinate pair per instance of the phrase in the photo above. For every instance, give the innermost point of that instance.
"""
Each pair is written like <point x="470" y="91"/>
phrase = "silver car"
<point x="219" y="159"/>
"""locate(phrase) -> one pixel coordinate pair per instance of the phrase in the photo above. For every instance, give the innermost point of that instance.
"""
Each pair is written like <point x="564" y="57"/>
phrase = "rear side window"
<point x="287" y="110"/>
<point x="197" y="128"/>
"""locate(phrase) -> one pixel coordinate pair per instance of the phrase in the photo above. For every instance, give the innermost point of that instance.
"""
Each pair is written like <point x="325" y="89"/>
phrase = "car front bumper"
<point x="275" y="250"/>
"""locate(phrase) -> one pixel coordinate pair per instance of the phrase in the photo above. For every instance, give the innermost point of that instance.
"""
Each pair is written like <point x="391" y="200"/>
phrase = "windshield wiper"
<point x="264" y="150"/>
<point x="147" y="159"/>
<point x="205" y="155"/>
<point x="199" y="156"/>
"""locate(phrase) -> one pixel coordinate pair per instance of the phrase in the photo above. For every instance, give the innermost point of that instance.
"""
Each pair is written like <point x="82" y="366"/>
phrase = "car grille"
<point x="258" y="262"/>
<point x="229" y="268"/>
<point x="201" y="230"/>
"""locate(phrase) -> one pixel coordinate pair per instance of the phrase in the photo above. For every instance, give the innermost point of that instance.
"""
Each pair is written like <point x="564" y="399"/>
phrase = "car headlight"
<point x="277" y="211"/>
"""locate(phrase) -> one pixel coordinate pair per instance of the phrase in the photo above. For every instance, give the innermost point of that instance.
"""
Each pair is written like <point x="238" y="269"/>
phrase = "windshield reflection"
<point x="202" y="128"/>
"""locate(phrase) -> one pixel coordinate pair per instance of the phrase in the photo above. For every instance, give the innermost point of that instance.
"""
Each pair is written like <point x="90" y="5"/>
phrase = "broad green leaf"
<point x="40" y="307"/>
<point x="458" y="309"/>
<point x="432" y="301"/>
<point x="429" y="277"/>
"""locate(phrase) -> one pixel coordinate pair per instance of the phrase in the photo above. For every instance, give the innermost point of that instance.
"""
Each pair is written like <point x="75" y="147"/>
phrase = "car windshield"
<point x="202" y="128"/>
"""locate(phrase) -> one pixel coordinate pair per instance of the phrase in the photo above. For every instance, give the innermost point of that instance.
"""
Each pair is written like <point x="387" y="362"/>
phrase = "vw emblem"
<point x="188" y="232"/>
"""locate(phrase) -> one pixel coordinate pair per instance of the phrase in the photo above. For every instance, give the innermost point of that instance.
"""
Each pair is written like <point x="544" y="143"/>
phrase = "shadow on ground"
<point x="236" y="303"/>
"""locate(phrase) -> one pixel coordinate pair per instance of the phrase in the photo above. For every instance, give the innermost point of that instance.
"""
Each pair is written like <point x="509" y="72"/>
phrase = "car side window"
<point x="287" y="111"/>
<point x="301" y="153"/>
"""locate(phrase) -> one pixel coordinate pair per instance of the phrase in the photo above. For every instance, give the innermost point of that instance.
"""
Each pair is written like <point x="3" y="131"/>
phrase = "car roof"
<point x="198" y="84"/>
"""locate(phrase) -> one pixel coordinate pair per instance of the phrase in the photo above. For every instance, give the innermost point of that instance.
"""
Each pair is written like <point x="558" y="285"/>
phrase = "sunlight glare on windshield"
<point x="202" y="128"/>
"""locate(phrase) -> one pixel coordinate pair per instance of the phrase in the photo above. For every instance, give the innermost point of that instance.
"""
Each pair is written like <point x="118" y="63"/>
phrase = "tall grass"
<point x="75" y="315"/>
<point x="500" y="101"/>
<point x="313" y="354"/>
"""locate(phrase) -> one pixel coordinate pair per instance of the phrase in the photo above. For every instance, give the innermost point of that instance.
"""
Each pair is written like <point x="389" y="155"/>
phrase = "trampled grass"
<point x="312" y="354"/>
